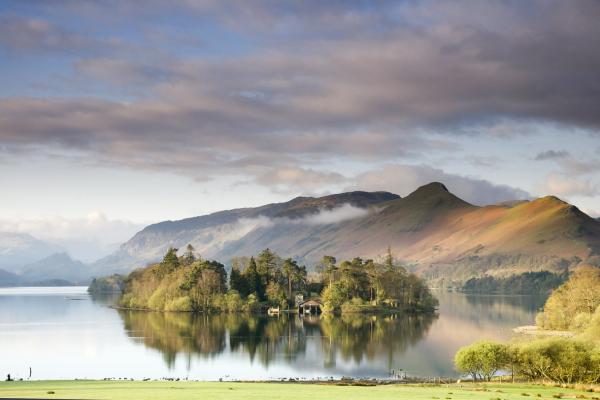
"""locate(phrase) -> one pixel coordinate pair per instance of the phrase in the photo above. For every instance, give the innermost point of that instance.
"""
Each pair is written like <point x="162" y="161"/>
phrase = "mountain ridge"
<point x="433" y="231"/>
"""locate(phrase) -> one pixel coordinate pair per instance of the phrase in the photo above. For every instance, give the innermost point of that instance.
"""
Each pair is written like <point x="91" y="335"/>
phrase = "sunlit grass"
<point x="275" y="391"/>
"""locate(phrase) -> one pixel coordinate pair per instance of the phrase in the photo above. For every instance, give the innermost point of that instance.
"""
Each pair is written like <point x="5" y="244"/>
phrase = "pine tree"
<point x="238" y="282"/>
<point x="189" y="256"/>
<point x="254" y="280"/>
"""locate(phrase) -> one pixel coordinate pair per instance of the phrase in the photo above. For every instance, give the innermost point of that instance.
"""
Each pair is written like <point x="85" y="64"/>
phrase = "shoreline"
<point x="533" y="330"/>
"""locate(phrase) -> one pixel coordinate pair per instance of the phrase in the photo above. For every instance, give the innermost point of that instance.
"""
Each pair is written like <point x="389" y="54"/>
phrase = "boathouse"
<point x="310" y="307"/>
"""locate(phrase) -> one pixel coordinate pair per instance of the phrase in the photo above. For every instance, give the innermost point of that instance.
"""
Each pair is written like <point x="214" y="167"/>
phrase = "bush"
<point x="252" y="304"/>
<point x="157" y="300"/>
<point x="580" y="322"/>
<point x="482" y="359"/>
<point x="233" y="301"/>
<point x="561" y="360"/>
<point x="355" y="305"/>
<point x="182" y="303"/>
<point x="593" y="329"/>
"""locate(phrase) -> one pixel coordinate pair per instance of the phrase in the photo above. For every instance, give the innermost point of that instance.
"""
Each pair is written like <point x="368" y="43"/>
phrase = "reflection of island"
<point x="349" y="338"/>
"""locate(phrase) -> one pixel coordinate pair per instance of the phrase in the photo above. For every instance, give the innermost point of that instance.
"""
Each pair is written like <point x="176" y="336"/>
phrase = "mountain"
<point x="434" y="232"/>
<point x="56" y="267"/>
<point x="18" y="249"/>
<point x="214" y="235"/>
<point x="9" y="279"/>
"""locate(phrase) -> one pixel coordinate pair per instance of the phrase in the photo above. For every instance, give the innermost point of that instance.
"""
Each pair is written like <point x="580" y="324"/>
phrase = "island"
<point x="269" y="283"/>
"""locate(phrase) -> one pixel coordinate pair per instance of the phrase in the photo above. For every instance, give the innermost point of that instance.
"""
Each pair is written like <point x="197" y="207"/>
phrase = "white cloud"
<point x="342" y="213"/>
<point x="87" y="238"/>
<point x="562" y="185"/>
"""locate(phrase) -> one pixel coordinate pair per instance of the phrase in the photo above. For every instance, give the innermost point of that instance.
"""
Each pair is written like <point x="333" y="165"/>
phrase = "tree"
<point x="294" y="274"/>
<point x="267" y="265"/>
<point x="238" y="282"/>
<point x="580" y="294"/>
<point x="354" y="278"/>
<point x="169" y="263"/>
<point x="482" y="359"/>
<point x="374" y="273"/>
<point x="276" y="294"/>
<point x="328" y="268"/>
<point x="334" y="296"/>
<point x="254" y="280"/>
<point x="189" y="256"/>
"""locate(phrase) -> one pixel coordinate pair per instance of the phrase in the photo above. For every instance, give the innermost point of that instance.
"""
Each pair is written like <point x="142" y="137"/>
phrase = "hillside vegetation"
<point x="526" y="283"/>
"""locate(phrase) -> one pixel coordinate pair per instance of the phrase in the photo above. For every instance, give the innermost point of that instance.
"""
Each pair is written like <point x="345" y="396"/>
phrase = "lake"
<point x="64" y="333"/>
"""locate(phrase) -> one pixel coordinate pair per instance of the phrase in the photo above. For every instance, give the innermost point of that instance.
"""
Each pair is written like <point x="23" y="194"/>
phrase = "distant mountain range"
<point x="19" y="249"/>
<point x="431" y="230"/>
<point x="25" y="260"/>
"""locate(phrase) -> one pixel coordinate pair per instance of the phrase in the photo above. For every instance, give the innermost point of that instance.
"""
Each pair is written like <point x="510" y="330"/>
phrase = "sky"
<point x="117" y="113"/>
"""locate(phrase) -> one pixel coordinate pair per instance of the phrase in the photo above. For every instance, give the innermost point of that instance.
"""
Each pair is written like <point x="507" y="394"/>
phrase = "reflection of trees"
<point x="351" y="337"/>
<point x="106" y="299"/>
<point x="357" y="336"/>
<point x="173" y="333"/>
<point x="505" y="310"/>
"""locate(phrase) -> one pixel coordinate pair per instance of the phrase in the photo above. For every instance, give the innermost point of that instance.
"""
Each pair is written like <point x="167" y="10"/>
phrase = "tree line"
<point x="190" y="283"/>
<point x="527" y="282"/>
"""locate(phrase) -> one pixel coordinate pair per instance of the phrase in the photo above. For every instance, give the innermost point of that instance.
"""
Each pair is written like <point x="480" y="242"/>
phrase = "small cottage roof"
<point x="311" y="302"/>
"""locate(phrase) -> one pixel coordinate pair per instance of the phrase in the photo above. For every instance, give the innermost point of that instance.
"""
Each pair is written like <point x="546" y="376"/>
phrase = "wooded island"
<point x="255" y="284"/>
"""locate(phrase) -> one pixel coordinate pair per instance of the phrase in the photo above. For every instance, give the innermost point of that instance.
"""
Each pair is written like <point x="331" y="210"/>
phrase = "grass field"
<point x="277" y="391"/>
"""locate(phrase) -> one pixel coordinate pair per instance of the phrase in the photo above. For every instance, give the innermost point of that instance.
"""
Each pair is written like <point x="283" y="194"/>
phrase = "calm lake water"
<point x="63" y="333"/>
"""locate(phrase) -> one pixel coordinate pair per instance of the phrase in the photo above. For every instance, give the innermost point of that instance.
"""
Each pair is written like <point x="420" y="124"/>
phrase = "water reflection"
<point x="353" y="338"/>
<point x="65" y="334"/>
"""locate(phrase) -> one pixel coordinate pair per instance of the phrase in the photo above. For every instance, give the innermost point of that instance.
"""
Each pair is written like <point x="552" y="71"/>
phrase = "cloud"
<point x="336" y="215"/>
<point x="87" y="238"/>
<point x="319" y="82"/>
<point x="212" y="239"/>
<point x="403" y="179"/>
<point x="551" y="155"/>
<point x="24" y="34"/>
<point x="294" y="180"/>
<point x="562" y="185"/>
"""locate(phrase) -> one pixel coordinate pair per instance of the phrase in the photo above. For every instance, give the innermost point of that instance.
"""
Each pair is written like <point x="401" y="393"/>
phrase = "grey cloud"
<point x="403" y="179"/>
<point x="352" y="90"/>
<point x="551" y="155"/>
<point x="39" y="35"/>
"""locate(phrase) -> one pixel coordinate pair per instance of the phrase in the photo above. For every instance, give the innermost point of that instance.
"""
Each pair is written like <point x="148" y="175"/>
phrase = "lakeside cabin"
<point x="312" y="307"/>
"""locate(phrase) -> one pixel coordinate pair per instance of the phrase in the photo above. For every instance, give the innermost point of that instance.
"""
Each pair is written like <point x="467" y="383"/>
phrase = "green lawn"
<point x="276" y="391"/>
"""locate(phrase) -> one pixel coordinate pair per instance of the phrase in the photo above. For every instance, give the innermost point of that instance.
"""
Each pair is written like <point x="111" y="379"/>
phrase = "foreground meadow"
<point x="275" y="391"/>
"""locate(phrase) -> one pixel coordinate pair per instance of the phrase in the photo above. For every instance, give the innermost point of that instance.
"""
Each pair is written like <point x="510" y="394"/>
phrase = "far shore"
<point x="535" y="331"/>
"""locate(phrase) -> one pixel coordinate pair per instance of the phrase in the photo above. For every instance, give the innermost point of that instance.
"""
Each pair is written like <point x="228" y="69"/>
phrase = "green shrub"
<point x="482" y="359"/>
<point x="580" y="322"/>
<point x="561" y="360"/>
<point x="158" y="299"/>
<point x="252" y="304"/>
<point x="182" y="303"/>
